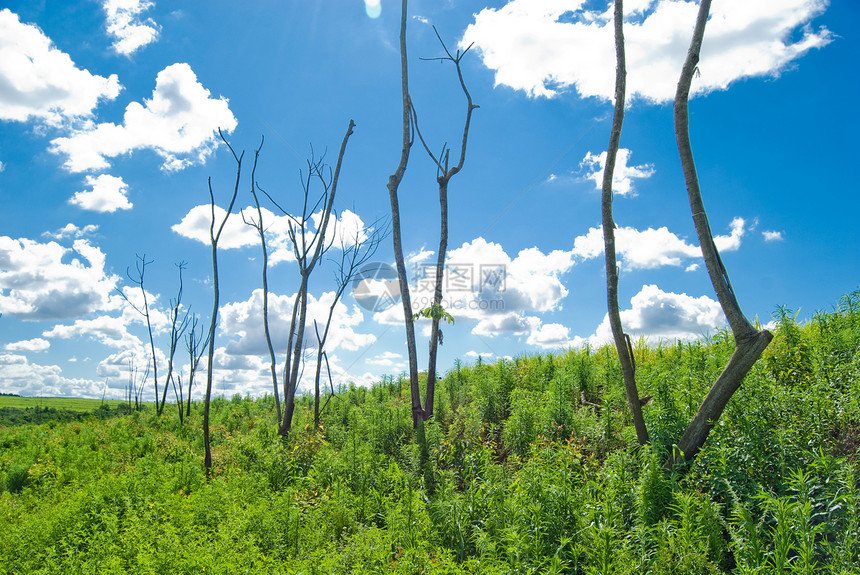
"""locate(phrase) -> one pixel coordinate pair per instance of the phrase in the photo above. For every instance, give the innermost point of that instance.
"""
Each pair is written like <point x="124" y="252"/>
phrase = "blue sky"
<point x="110" y="110"/>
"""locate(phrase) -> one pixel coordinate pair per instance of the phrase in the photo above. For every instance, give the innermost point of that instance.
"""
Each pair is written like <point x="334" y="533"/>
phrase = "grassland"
<point x="65" y="403"/>
<point x="529" y="466"/>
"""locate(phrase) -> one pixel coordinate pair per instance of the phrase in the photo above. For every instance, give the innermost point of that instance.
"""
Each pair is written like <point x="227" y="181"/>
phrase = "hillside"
<point x="530" y="466"/>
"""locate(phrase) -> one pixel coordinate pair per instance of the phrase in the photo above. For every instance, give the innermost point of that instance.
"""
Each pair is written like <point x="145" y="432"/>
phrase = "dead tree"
<point x="361" y="248"/>
<point x="135" y="386"/>
<point x="261" y="230"/>
<point x="408" y="137"/>
<point x="178" y="325"/>
<point x="444" y="173"/>
<point x="140" y="265"/>
<point x="749" y="342"/>
<point x="622" y="340"/>
<point x="308" y="248"/>
<point x="213" y="240"/>
<point x="196" y="346"/>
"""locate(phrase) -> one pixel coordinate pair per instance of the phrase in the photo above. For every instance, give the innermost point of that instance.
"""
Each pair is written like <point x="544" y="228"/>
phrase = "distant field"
<point x="72" y="404"/>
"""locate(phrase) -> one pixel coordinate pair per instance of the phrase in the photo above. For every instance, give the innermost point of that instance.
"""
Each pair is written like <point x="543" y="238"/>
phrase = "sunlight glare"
<point x="373" y="8"/>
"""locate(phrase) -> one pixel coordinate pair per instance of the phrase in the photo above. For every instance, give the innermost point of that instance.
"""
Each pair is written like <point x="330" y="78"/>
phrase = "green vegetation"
<point x="528" y="466"/>
<point x="17" y="410"/>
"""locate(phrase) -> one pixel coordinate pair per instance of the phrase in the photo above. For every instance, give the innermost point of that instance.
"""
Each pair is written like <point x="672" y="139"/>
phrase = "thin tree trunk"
<point x="261" y="230"/>
<point x="435" y="334"/>
<point x="393" y="185"/>
<point x="214" y="237"/>
<point x="444" y="175"/>
<point x="622" y="341"/>
<point x="749" y="342"/>
<point x="306" y="267"/>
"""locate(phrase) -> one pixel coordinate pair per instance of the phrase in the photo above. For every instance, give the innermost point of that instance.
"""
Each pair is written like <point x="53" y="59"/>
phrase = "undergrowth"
<point x="529" y="466"/>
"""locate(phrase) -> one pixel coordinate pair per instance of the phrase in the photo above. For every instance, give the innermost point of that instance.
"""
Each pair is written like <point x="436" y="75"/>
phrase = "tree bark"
<point x="444" y="175"/>
<point x="749" y="342"/>
<point x="622" y="341"/>
<point x="213" y="238"/>
<point x="396" y="238"/>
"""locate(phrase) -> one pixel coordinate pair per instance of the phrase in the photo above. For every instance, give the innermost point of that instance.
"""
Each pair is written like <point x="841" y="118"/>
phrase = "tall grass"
<point x="530" y="465"/>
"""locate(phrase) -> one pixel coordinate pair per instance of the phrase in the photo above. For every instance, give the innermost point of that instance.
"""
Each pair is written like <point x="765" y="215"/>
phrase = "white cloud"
<point x="108" y="330"/>
<point x="553" y="336"/>
<point x="244" y="320"/>
<point x="514" y="323"/>
<point x="30" y="379"/>
<point x="484" y="354"/>
<point x="653" y="248"/>
<point x="196" y="224"/>
<point x="484" y="284"/>
<point x="543" y="47"/>
<point x="388" y="359"/>
<point x="124" y="23"/>
<point x="71" y="231"/>
<point x="38" y="81"/>
<point x="35" y="345"/>
<point x="342" y="231"/>
<point x="107" y="194"/>
<point x="623" y="174"/>
<point x="420" y="256"/>
<point x="180" y="123"/>
<point x="731" y="242"/>
<point x="2" y="167"/>
<point x="772" y="236"/>
<point x="665" y="315"/>
<point x="36" y="283"/>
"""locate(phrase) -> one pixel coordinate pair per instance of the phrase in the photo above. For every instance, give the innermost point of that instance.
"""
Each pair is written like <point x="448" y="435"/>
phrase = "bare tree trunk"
<point x="176" y="332"/>
<point x="393" y="185"/>
<point x="444" y="173"/>
<point x="351" y="259"/>
<point x="622" y="341"/>
<point x="139" y="281"/>
<point x="435" y="332"/>
<point x="214" y="237"/>
<point x="749" y="342"/>
<point x="195" y="353"/>
<point x="307" y="263"/>
<point x="262" y="231"/>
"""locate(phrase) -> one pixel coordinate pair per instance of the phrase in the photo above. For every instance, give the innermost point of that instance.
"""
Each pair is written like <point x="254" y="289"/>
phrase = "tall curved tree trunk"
<point x="396" y="238"/>
<point x="749" y="342"/>
<point x="622" y="341"/>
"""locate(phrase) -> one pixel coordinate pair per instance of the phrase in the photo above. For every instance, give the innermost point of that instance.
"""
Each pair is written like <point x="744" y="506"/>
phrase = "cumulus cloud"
<point x="108" y="330"/>
<point x="653" y="248"/>
<point x="30" y="379"/>
<point x="553" y="336"/>
<point x="482" y="283"/>
<point x="196" y="224"/>
<point x="107" y="194"/>
<point x="125" y="24"/>
<point x="772" y="236"/>
<point x="515" y="323"/>
<point x="179" y="123"/>
<point x="732" y="242"/>
<point x="665" y="315"/>
<point x="622" y="176"/>
<point x="530" y="282"/>
<point x="387" y="359"/>
<point x="342" y="231"/>
<point x="543" y="47"/>
<point x="42" y="281"/>
<point x="34" y="345"/>
<point x="244" y="321"/>
<point x="38" y="81"/>
<point x="70" y="230"/>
